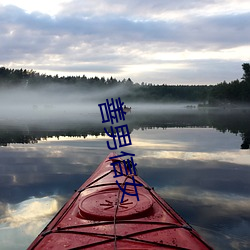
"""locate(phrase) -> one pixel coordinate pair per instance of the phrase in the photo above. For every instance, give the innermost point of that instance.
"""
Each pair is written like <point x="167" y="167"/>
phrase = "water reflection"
<point x="233" y="121"/>
<point x="29" y="210"/>
<point x="193" y="161"/>
<point x="20" y="222"/>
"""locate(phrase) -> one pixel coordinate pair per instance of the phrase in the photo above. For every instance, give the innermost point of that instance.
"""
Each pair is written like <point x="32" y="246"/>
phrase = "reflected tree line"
<point x="236" y="91"/>
<point x="231" y="121"/>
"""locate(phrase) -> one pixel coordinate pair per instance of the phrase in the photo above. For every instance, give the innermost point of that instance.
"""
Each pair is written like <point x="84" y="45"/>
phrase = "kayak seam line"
<point x="166" y="208"/>
<point x="122" y="236"/>
<point x="99" y="178"/>
<point x="120" y="222"/>
<point x="100" y="185"/>
<point x="128" y="236"/>
<point x="191" y="230"/>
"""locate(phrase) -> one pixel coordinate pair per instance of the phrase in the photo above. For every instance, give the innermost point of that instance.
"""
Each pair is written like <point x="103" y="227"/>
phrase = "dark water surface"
<point x="193" y="158"/>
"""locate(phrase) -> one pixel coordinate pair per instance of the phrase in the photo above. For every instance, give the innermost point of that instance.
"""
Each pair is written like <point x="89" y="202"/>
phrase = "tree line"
<point x="236" y="91"/>
<point x="232" y="121"/>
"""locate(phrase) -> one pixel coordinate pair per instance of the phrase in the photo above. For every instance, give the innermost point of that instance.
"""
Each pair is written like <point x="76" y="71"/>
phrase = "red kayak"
<point x="95" y="218"/>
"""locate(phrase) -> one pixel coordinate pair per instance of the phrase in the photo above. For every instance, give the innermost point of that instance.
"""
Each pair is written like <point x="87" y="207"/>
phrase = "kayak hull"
<point x="95" y="218"/>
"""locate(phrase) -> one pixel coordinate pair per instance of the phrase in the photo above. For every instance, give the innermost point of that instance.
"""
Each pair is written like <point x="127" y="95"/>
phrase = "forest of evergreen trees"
<point x="236" y="91"/>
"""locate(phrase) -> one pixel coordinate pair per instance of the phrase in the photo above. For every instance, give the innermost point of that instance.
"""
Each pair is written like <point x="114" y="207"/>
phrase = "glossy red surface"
<point x="94" y="218"/>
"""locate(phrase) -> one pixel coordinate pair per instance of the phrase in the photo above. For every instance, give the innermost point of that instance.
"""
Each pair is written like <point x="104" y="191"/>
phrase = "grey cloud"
<point x="98" y="40"/>
<point x="220" y="31"/>
<point x="135" y="8"/>
<point x="217" y="31"/>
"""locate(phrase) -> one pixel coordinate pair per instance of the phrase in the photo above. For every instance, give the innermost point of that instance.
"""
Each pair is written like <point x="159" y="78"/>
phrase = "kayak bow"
<point x="94" y="218"/>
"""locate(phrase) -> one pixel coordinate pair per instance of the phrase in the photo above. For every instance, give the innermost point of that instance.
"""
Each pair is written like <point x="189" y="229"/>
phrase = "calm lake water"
<point x="197" y="160"/>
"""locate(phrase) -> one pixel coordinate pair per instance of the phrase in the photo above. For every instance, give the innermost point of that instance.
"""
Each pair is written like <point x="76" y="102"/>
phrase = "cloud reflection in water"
<point x="25" y="220"/>
<point x="198" y="171"/>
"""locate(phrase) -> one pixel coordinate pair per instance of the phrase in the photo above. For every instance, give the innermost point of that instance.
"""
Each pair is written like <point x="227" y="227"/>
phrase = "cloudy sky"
<point x="157" y="41"/>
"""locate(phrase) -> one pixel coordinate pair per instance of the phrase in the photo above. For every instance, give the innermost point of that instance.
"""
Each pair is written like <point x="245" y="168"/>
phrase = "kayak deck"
<point x="94" y="218"/>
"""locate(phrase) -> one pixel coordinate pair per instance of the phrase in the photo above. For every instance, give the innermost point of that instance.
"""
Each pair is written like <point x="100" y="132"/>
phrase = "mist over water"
<point x="60" y="102"/>
<point x="60" y="107"/>
<point x="55" y="102"/>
